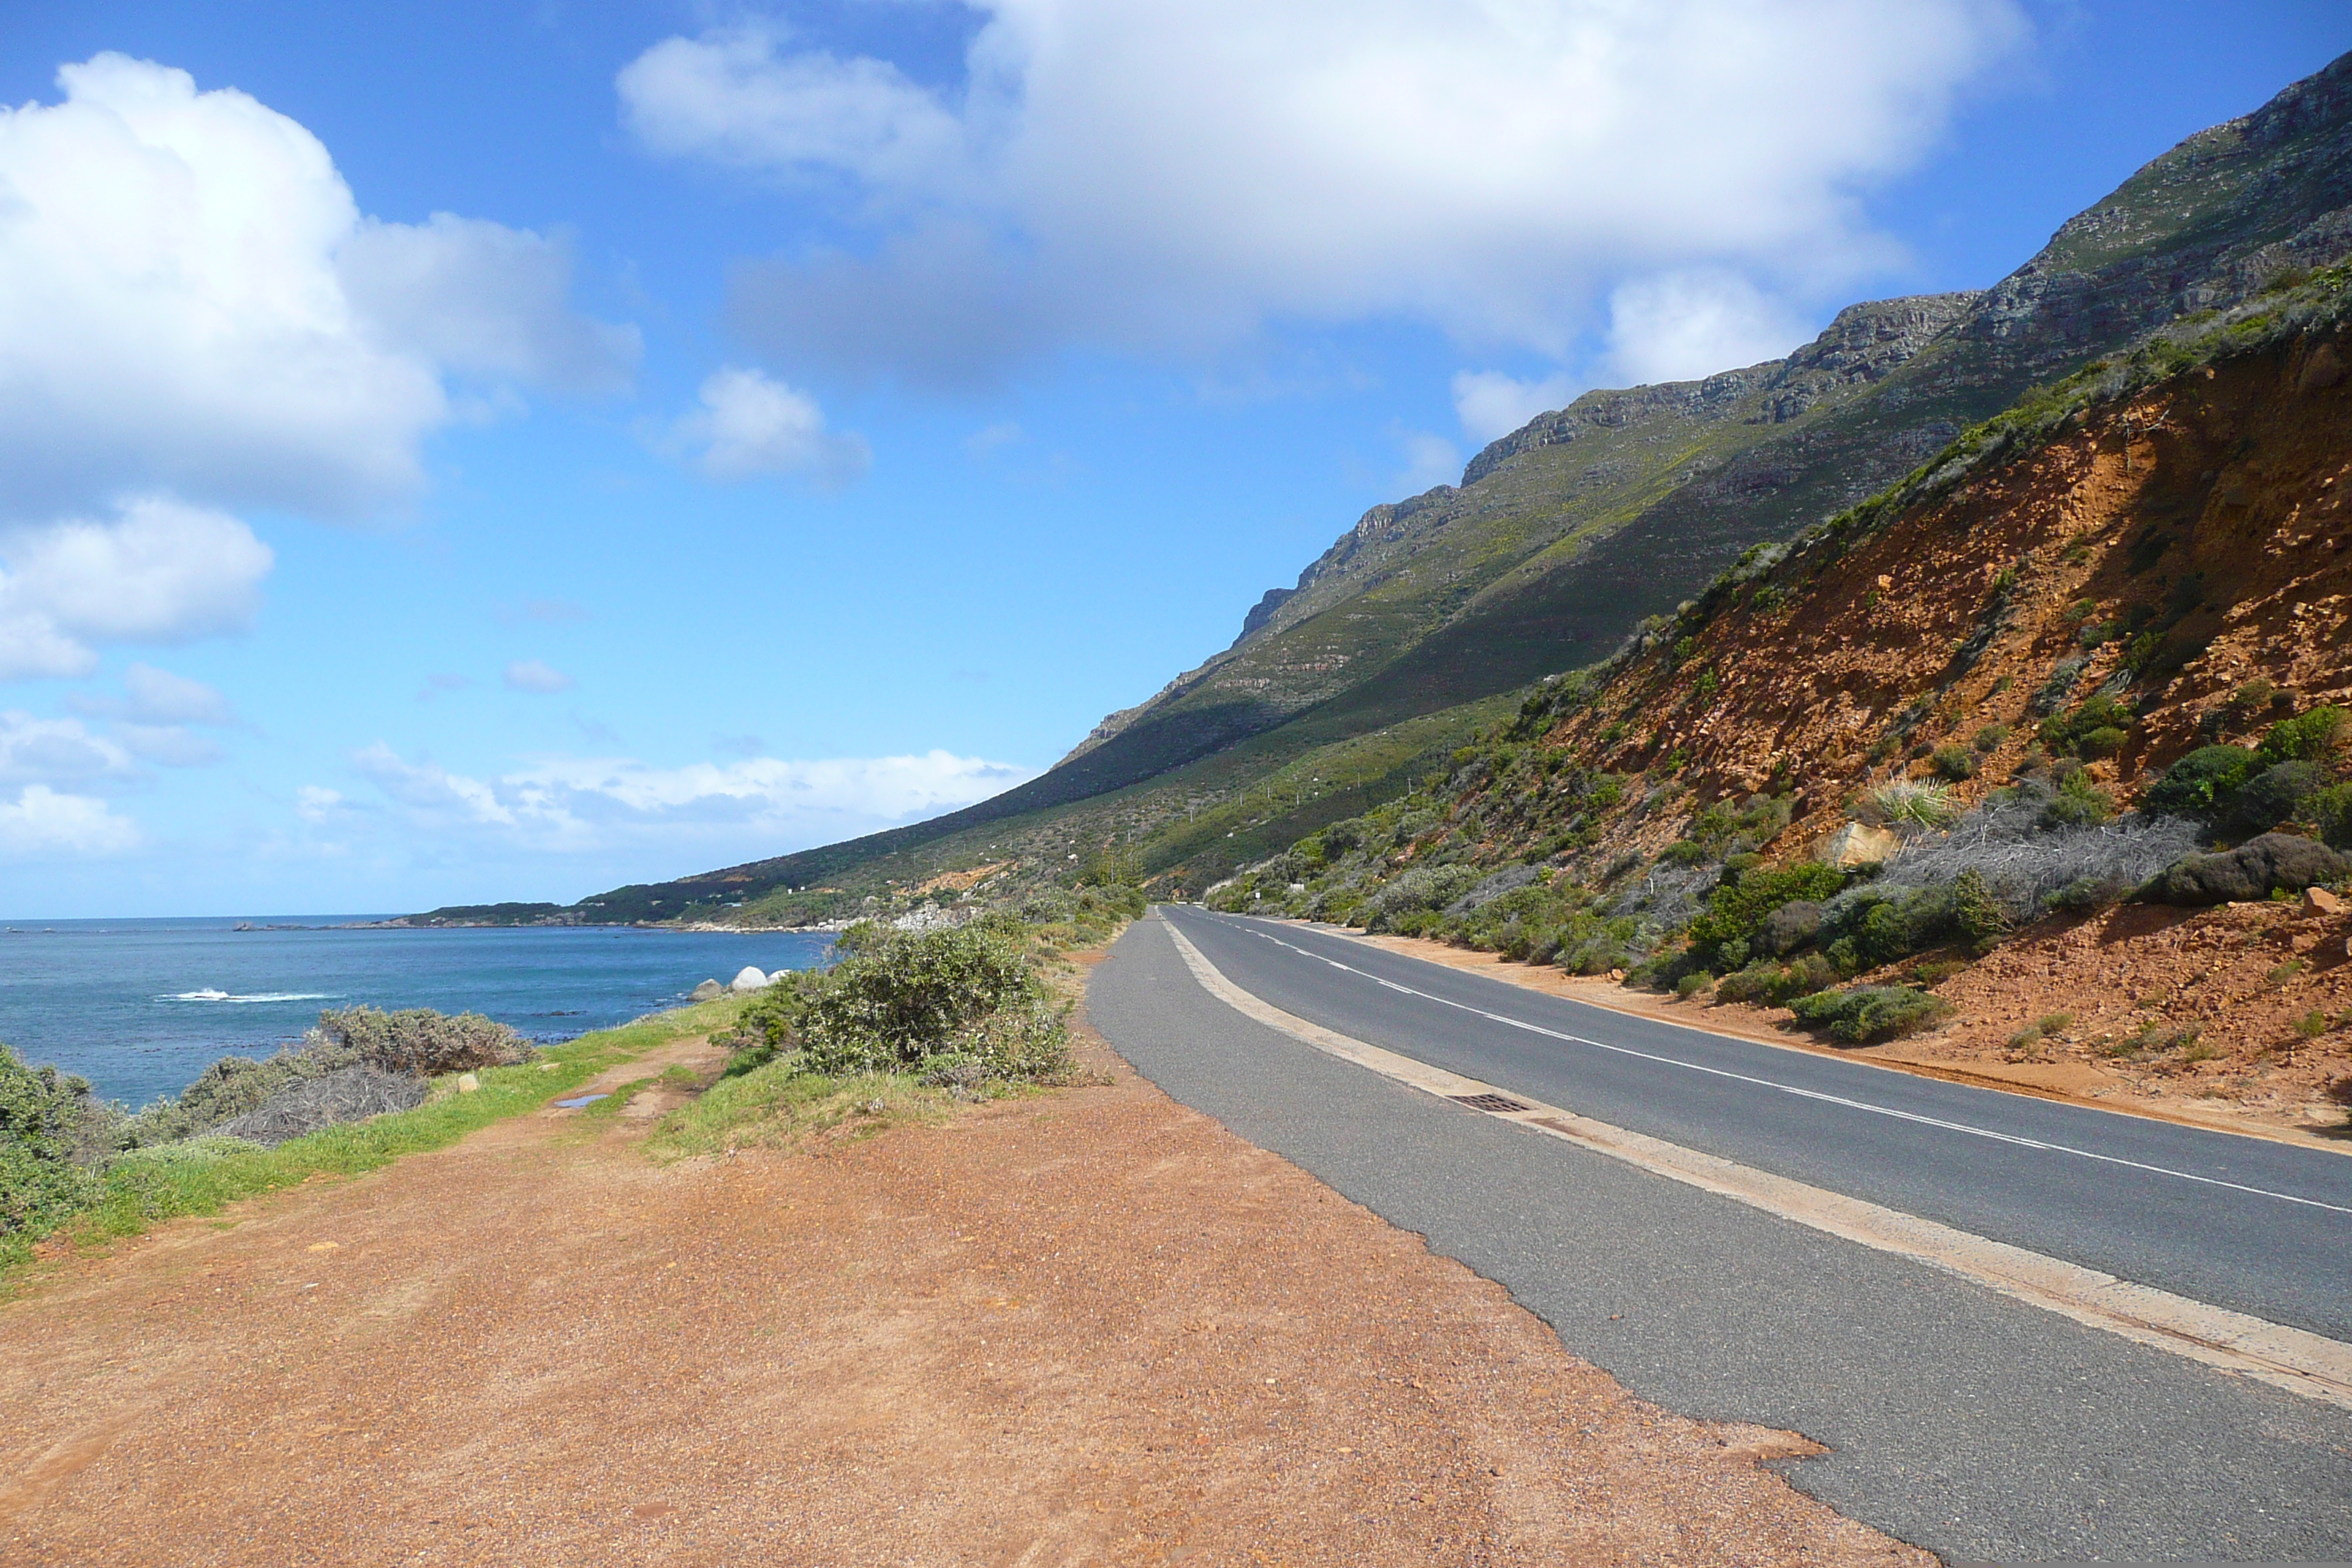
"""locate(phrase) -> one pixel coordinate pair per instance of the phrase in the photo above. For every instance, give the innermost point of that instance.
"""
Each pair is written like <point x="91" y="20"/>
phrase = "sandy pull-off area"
<point x="1088" y="1327"/>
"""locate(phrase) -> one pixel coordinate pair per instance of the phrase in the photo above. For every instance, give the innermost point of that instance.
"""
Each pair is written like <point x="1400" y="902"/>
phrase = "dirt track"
<point x="1090" y="1327"/>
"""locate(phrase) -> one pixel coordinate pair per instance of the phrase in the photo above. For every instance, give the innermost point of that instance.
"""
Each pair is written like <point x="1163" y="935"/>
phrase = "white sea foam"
<point x="209" y="994"/>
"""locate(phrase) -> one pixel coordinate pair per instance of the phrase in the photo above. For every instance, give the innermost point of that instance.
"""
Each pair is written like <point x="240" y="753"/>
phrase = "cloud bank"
<point x="1163" y="177"/>
<point x="570" y="805"/>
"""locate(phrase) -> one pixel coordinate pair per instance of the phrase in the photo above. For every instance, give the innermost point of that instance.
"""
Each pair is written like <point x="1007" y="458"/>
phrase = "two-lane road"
<point x="1958" y="1418"/>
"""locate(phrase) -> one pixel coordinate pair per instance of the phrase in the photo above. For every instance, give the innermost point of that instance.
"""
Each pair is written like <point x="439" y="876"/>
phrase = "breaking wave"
<point x="208" y="994"/>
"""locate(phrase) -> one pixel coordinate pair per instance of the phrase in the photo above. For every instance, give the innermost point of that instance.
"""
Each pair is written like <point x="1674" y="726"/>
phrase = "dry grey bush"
<point x="2029" y="869"/>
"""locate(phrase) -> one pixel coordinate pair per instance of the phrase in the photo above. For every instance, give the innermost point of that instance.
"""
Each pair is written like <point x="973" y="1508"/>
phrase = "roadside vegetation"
<point x="906" y="1026"/>
<point x="1490" y="859"/>
<point x="74" y="1167"/>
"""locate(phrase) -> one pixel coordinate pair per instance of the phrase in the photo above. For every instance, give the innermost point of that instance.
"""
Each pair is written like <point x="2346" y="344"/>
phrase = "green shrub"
<point x="2096" y="726"/>
<point x="420" y="1040"/>
<point x="1877" y="925"/>
<point x="1991" y="738"/>
<point x="902" y="997"/>
<point x="2104" y="741"/>
<point x="1737" y="906"/>
<point x="1862" y="1014"/>
<point x="2274" y="795"/>
<point x="2330" y="810"/>
<point x="42" y="1119"/>
<point x="2078" y="802"/>
<point x="1954" y="762"/>
<point x="2308" y="737"/>
<point x="2202" y="783"/>
<point x="1690" y="984"/>
<point x="2083" y="895"/>
<point x="2254" y="696"/>
<point x="1975" y="910"/>
<point x="1765" y="981"/>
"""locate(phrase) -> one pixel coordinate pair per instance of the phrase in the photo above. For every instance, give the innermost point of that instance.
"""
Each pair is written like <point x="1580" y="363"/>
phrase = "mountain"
<point x="2041" y="742"/>
<point x="1565" y="535"/>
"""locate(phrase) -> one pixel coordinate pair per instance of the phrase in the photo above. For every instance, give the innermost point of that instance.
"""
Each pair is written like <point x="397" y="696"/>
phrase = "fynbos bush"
<point x="1862" y="1014"/>
<point x="419" y="1040"/>
<point x="902" y="998"/>
<point x="42" y="1121"/>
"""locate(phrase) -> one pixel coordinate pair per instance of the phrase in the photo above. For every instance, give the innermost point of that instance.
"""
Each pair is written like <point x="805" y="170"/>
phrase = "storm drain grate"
<point x="1488" y="1102"/>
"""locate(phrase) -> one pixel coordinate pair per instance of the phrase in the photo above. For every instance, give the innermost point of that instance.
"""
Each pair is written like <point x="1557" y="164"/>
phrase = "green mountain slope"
<point x="1568" y="533"/>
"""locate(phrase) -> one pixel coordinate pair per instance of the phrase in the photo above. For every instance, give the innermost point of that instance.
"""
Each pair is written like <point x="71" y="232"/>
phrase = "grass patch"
<point x="782" y="1105"/>
<point x="149" y="1186"/>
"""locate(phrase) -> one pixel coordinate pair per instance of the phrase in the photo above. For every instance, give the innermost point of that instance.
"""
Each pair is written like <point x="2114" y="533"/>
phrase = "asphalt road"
<point x="1958" y="1418"/>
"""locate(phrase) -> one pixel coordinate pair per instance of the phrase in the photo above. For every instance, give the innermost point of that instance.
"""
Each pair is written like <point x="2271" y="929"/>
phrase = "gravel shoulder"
<point x="1087" y="1326"/>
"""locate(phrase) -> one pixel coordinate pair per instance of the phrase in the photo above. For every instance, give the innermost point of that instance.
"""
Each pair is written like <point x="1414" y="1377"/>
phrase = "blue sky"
<point x="452" y="453"/>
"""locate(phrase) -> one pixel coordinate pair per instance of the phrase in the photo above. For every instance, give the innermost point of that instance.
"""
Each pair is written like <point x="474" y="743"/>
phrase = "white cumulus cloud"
<point x="41" y="822"/>
<point x="430" y="791"/>
<point x="483" y="300"/>
<point x="160" y="572"/>
<point x="195" y="305"/>
<point x="1429" y="461"/>
<point x="316" y="803"/>
<point x="749" y="427"/>
<point x="1681" y="326"/>
<point x="1177" y="174"/>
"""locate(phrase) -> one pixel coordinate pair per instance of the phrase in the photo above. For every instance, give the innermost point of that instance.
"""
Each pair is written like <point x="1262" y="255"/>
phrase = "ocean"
<point x="141" y="1007"/>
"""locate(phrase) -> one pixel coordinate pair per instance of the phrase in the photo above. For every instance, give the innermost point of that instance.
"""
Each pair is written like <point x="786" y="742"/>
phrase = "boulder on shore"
<point x="709" y="991"/>
<point x="2248" y="873"/>
<point x="749" y="979"/>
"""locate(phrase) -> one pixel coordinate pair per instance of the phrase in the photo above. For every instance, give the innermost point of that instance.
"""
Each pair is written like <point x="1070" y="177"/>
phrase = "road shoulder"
<point x="1084" y="1325"/>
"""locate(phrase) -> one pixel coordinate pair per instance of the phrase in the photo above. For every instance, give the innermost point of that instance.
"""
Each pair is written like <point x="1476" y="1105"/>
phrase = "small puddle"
<point x="575" y="1103"/>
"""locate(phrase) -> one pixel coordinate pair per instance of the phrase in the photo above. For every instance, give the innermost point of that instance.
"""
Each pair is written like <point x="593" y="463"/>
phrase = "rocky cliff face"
<point x="1864" y="344"/>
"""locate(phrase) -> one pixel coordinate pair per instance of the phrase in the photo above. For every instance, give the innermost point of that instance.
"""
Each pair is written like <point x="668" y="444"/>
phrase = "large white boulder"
<point x="749" y="979"/>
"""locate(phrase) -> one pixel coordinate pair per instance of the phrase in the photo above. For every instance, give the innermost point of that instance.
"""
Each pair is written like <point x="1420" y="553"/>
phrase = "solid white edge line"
<point x="2296" y="1360"/>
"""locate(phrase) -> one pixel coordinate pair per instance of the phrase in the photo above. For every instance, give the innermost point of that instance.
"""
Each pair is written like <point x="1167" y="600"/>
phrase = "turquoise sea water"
<point x="139" y="1007"/>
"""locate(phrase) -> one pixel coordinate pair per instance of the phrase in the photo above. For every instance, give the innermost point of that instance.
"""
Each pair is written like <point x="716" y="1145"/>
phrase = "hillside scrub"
<point x="2291" y="775"/>
<point x="2087" y="643"/>
<point x="1863" y="1015"/>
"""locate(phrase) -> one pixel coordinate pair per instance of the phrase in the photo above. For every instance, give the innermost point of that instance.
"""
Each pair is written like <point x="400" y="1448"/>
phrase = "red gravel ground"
<point x="1085" y="1327"/>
